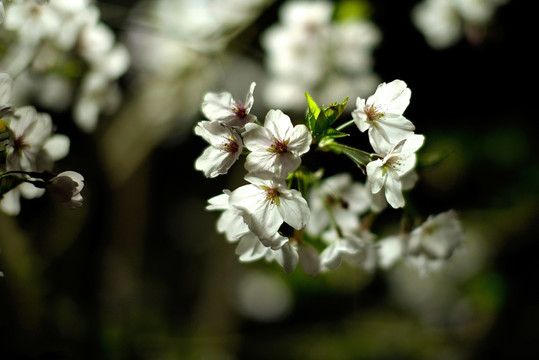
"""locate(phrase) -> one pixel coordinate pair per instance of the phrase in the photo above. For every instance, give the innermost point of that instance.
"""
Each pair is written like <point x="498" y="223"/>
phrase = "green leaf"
<point x="332" y="133"/>
<point x="333" y="111"/>
<point x="312" y="112"/>
<point x="359" y="157"/>
<point x="319" y="120"/>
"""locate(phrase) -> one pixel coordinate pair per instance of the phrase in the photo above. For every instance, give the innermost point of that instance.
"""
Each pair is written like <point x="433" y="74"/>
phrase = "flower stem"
<point x="345" y="125"/>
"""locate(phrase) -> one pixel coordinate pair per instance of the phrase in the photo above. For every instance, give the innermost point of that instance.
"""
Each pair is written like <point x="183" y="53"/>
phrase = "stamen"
<point x="272" y="195"/>
<point x="240" y="110"/>
<point x="231" y="146"/>
<point x="279" y="147"/>
<point x="373" y="113"/>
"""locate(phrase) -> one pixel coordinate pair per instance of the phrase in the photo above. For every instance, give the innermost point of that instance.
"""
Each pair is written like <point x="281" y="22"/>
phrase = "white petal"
<point x="294" y="209"/>
<point x="217" y="107"/>
<point x="257" y="138"/>
<point x="213" y="162"/>
<point x="309" y="259"/>
<point x="278" y="124"/>
<point x="285" y="164"/>
<point x="376" y="176"/>
<point x="260" y="161"/>
<point x="287" y="257"/>
<point x="10" y="203"/>
<point x="389" y="251"/>
<point x="395" y="96"/>
<point x="218" y="202"/>
<point x="251" y="249"/>
<point x="300" y="141"/>
<point x="57" y="146"/>
<point x="275" y="242"/>
<point x="413" y="143"/>
<point x="249" y="100"/>
<point x="393" y="190"/>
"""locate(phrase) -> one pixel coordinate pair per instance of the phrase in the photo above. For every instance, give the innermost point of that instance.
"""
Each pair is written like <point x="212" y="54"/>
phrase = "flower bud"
<point x="65" y="188"/>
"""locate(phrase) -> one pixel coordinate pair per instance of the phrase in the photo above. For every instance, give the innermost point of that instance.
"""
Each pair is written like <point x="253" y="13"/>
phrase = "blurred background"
<point x="139" y="271"/>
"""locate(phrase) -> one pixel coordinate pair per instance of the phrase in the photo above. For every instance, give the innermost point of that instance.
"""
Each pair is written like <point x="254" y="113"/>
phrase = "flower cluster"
<point x="60" y="54"/>
<point x="293" y="215"/>
<point x="28" y="148"/>
<point x="317" y="49"/>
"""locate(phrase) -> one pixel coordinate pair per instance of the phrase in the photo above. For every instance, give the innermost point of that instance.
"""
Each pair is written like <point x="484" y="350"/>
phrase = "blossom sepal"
<point x="319" y="119"/>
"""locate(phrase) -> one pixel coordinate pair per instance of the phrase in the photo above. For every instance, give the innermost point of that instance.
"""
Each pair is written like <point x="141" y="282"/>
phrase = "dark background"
<point x="139" y="273"/>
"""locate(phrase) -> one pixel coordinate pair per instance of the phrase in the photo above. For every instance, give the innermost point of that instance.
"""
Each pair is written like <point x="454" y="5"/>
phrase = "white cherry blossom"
<point x="266" y="203"/>
<point x="437" y="237"/>
<point x="276" y="147"/>
<point x="31" y="135"/>
<point x="382" y="114"/>
<point x="232" y="224"/>
<point x="387" y="172"/>
<point x="32" y="20"/>
<point x="223" y="108"/>
<point x="225" y="148"/>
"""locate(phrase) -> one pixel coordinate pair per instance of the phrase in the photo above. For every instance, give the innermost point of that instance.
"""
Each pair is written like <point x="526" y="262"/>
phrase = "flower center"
<point x="373" y="113"/>
<point x="240" y="110"/>
<point x="20" y="144"/>
<point x="392" y="162"/>
<point x="231" y="146"/>
<point x="334" y="200"/>
<point x="272" y="195"/>
<point x="279" y="147"/>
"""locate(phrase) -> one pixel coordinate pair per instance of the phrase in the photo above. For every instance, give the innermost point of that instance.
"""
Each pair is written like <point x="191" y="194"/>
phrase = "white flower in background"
<point x="32" y="140"/>
<point x="32" y="21"/>
<point x="355" y="247"/>
<point x="65" y="188"/>
<point x="307" y="51"/>
<point x="225" y="148"/>
<point x="276" y="147"/>
<point x="438" y="21"/>
<point x="97" y="94"/>
<point x="294" y="46"/>
<point x="382" y="114"/>
<point x="437" y="237"/>
<point x="223" y="108"/>
<point x="427" y="247"/>
<point x="387" y="172"/>
<point x="338" y="198"/>
<point x="444" y="22"/>
<point x="63" y="44"/>
<point x="267" y="202"/>
<point x="353" y="44"/>
<point x="390" y="250"/>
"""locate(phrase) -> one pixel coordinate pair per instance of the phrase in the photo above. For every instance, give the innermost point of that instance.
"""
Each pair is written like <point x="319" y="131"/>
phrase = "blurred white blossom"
<point x="309" y="51"/>
<point x="445" y="22"/>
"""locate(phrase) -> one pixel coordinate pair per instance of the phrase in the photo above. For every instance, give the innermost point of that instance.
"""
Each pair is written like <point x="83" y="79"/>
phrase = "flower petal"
<point x="294" y="209"/>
